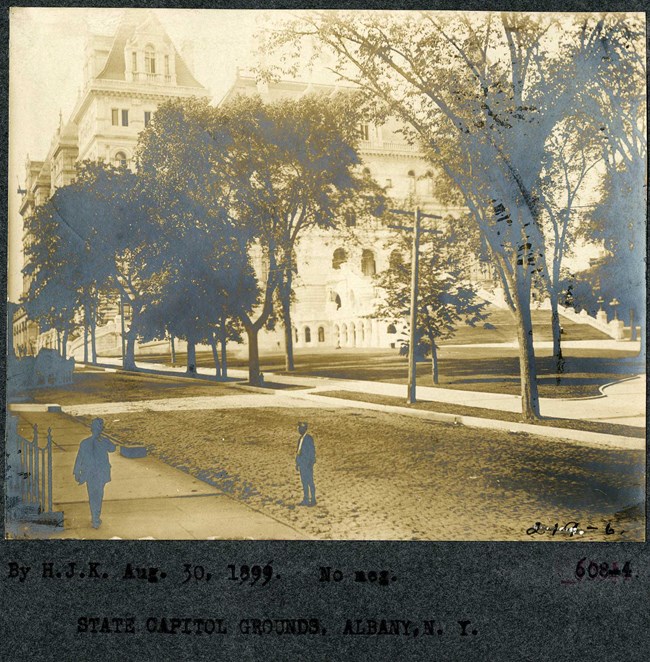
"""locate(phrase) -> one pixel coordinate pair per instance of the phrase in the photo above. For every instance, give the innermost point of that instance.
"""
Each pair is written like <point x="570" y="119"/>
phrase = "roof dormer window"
<point x="150" y="60"/>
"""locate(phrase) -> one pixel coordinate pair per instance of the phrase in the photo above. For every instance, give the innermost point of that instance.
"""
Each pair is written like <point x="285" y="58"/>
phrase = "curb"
<point x="582" y="437"/>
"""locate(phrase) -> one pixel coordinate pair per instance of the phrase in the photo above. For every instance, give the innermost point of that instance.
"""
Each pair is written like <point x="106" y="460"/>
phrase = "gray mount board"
<point x="512" y="594"/>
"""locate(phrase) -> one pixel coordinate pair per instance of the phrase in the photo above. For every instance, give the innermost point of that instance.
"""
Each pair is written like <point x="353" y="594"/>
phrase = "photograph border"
<point x="463" y="579"/>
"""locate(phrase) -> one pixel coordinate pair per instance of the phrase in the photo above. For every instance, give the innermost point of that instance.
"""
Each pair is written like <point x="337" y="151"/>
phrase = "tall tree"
<point x="296" y="165"/>
<point x="482" y="95"/>
<point x="446" y="297"/>
<point x="617" y="101"/>
<point x="106" y="217"/>
<point x="52" y="270"/>
<point x="568" y="168"/>
<point x="204" y="279"/>
<point x="264" y="174"/>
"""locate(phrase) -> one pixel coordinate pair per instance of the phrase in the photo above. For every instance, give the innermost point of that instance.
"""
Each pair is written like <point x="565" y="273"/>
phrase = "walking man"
<point x="305" y="459"/>
<point x="94" y="468"/>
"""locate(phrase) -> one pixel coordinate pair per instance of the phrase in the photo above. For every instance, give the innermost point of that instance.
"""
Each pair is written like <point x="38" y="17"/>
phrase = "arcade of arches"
<point x="347" y="333"/>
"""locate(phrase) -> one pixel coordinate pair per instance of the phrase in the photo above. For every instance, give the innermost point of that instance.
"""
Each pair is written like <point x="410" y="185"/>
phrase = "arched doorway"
<point x="338" y="258"/>
<point x="368" y="266"/>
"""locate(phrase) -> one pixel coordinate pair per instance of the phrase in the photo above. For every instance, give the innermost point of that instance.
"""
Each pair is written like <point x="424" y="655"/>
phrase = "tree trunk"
<point x="191" y="356"/>
<point x="131" y="334"/>
<point x="215" y="356"/>
<point x="85" y="333"/>
<point x="556" y="330"/>
<point x="129" y="354"/>
<point x="254" y="377"/>
<point x="527" y="368"/>
<point x="93" y="333"/>
<point x="224" y="357"/>
<point x="434" y="361"/>
<point x="172" y="347"/>
<point x="64" y="343"/>
<point x="285" y="299"/>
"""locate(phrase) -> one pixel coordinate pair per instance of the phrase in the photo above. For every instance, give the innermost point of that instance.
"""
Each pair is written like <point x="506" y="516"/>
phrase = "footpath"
<point x="146" y="498"/>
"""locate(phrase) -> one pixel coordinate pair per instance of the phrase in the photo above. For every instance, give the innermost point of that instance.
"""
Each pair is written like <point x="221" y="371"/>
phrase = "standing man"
<point x="305" y="459"/>
<point x="94" y="468"/>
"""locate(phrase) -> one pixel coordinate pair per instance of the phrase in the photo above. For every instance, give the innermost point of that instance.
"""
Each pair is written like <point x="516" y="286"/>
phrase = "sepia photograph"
<point x="326" y="275"/>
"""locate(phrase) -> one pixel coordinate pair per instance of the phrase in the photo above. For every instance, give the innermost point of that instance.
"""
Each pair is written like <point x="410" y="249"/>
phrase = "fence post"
<point x="49" y="470"/>
<point x="42" y="500"/>
<point x="30" y="476"/>
<point x="36" y="484"/>
<point x="23" y="467"/>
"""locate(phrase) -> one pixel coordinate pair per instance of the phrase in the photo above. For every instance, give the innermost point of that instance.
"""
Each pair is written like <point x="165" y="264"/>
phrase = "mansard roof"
<point x="115" y="67"/>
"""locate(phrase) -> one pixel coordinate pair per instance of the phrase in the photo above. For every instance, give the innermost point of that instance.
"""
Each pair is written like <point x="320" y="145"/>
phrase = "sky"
<point x="46" y="71"/>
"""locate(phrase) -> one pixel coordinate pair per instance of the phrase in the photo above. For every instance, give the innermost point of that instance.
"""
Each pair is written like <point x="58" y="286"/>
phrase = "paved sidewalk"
<point x="621" y="402"/>
<point x="146" y="497"/>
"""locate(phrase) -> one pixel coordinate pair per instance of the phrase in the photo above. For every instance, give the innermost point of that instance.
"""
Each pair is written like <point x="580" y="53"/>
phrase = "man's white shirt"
<point x="300" y="443"/>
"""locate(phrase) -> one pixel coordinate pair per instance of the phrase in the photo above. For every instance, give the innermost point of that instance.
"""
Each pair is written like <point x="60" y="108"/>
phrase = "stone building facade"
<point x="335" y="290"/>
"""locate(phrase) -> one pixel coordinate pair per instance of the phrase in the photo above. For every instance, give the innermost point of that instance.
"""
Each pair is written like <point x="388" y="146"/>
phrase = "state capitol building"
<point x="126" y="77"/>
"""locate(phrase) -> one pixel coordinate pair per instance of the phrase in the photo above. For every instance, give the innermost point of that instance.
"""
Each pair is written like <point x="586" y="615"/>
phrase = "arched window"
<point x="120" y="159"/>
<point x="321" y="334"/>
<point x="295" y="332"/>
<point x="395" y="260"/>
<point x="340" y="257"/>
<point x="429" y="177"/>
<point x="368" y="267"/>
<point x="307" y="334"/>
<point x="391" y="329"/>
<point x="366" y="172"/>
<point x="411" y="175"/>
<point x="150" y="60"/>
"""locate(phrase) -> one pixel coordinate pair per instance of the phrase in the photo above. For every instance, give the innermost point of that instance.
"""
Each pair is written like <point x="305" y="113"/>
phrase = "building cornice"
<point x="141" y="90"/>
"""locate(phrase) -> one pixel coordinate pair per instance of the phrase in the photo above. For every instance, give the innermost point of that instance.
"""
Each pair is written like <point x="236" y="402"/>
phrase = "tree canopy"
<point x="482" y="95"/>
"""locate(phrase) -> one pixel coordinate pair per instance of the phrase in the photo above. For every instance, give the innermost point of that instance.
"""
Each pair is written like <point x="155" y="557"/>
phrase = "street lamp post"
<point x="415" y="259"/>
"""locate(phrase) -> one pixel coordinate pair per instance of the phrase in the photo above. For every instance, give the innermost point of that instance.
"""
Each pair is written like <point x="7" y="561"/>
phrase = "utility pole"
<point x="415" y="261"/>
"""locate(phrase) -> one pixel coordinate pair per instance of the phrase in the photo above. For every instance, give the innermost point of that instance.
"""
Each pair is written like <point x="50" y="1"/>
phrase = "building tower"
<point x="126" y="77"/>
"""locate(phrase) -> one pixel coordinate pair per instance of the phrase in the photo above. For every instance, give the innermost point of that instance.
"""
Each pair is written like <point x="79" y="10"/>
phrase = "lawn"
<point x="381" y="476"/>
<point x="486" y="369"/>
<point x="92" y="387"/>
